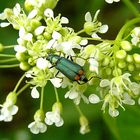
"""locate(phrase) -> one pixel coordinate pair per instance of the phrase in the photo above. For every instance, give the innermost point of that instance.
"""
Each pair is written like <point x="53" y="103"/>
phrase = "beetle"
<point x="71" y="70"/>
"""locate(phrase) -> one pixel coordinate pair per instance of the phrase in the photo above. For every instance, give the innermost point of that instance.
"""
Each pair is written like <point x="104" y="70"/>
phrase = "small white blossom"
<point x="84" y="42"/>
<point x="103" y="29"/>
<point x="84" y="125"/>
<point x="54" y="116"/>
<point x="39" y="30"/>
<point x="49" y="13"/>
<point x="113" y="112"/>
<point x="7" y="112"/>
<point x="2" y="16"/>
<point x="93" y="26"/>
<point x="32" y="14"/>
<point x="111" y="1"/>
<point x="88" y="17"/>
<point x="34" y="93"/>
<point x="104" y="83"/>
<point x="80" y="61"/>
<point x="56" y="35"/>
<point x="93" y="65"/>
<point x="56" y="82"/>
<point x="64" y="20"/>
<point x="17" y="9"/>
<point x="19" y="48"/>
<point x="127" y="99"/>
<point x="24" y="35"/>
<point x="42" y="63"/>
<point x="4" y="24"/>
<point x="76" y="94"/>
<point x="37" y="127"/>
<point x="135" y="35"/>
<point x="93" y="98"/>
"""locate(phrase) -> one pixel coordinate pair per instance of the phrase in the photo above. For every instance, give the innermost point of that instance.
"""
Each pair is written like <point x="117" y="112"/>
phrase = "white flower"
<point x="104" y="83"/>
<point x="80" y="61"/>
<point x="111" y="1"/>
<point x="39" y="30"/>
<point x="17" y="9"/>
<point x="53" y="42"/>
<point x="103" y="29"/>
<point x="113" y="112"/>
<point x="135" y="35"/>
<point x="24" y="35"/>
<point x="34" y="93"/>
<point x="93" y="65"/>
<point x="4" y="24"/>
<point x="84" y="125"/>
<point x="7" y="112"/>
<point x="32" y="14"/>
<point x="57" y="82"/>
<point x="42" y="63"/>
<point x="127" y="99"/>
<point x="75" y="93"/>
<point x="67" y="47"/>
<point x="19" y="48"/>
<point x="54" y="117"/>
<point x="37" y="127"/>
<point x="64" y="20"/>
<point x="49" y="13"/>
<point x="93" y="98"/>
<point x="93" y="26"/>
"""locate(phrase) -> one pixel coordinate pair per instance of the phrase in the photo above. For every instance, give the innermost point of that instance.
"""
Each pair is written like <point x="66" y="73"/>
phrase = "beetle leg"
<point x="80" y="83"/>
<point x="56" y="73"/>
<point x="52" y="66"/>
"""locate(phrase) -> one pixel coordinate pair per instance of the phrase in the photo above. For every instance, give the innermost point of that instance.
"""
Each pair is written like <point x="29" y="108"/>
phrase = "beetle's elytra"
<point x="71" y="70"/>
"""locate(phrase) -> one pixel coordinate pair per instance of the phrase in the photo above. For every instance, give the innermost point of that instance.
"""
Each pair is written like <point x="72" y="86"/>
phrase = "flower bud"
<point x="84" y="125"/>
<point x="57" y="106"/>
<point x="108" y="71"/>
<point x="126" y="45"/>
<point x="122" y="64"/>
<point x="88" y="27"/>
<point x="131" y="67"/>
<point x="11" y="98"/>
<point x="24" y="66"/>
<point x="136" y="58"/>
<point x="21" y="56"/>
<point x="117" y="72"/>
<point x="39" y="115"/>
<point x="129" y="58"/>
<point x="121" y="54"/>
<point x="1" y="47"/>
<point x="106" y="61"/>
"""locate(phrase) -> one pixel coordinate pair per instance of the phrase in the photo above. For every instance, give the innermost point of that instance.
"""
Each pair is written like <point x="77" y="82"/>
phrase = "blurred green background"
<point x="103" y="127"/>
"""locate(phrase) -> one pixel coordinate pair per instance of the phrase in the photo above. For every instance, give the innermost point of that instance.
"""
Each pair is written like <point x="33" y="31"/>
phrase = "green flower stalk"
<point x="46" y="44"/>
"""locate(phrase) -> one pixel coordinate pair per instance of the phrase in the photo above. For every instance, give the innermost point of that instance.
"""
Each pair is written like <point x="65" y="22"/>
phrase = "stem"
<point x="8" y="60"/>
<point x="56" y="94"/>
<point x="131" y="6"/>
<point x="8" y="47"/>
<point x="9" y="66"/>
<point x="125" y="27"/>
<point x="23" y="88"/>
<point x="96" y="39"/>
<point x="42" y="98"/>
<point x="79" y="110"/>
<point x="19" y="82"/>
<point x="7" y="55"/>
<point x="81" y="31"/>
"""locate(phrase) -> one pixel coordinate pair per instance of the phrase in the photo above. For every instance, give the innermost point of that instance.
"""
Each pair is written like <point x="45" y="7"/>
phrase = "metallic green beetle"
<point x="70" y="69"/>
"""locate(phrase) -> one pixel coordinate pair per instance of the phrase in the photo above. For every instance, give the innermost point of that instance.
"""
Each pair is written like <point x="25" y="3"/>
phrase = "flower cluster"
<point x="47" y="50"/>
